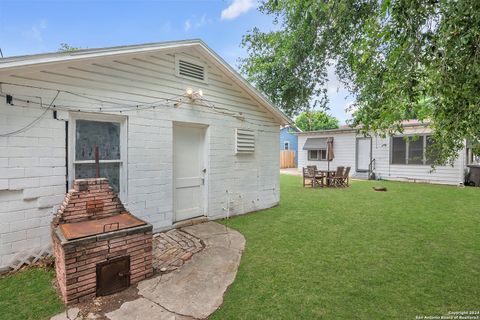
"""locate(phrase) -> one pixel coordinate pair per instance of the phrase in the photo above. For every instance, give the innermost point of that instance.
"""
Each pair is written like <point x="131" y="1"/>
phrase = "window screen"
<point x="323" y="154"/>
<point x="317" y="154"/>
<point x="105" y="135"/>
<point x="286" y="145"/>
<point x="415" y="150"/>
<point x="399" y="149"/>
<point x="312" y="154"/>
<point x="107" y="170"/>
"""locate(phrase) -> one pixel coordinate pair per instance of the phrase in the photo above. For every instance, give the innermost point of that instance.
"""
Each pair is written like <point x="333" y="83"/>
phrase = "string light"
<point x="138" y="106"/>
<point x="31" y="124"/>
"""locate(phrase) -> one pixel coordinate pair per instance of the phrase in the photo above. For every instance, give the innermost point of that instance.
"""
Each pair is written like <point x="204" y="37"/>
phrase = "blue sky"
<point x="29" y="27"/>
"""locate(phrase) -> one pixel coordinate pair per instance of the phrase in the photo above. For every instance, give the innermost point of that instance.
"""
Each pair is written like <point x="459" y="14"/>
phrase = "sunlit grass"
<point x="358" y="254"/>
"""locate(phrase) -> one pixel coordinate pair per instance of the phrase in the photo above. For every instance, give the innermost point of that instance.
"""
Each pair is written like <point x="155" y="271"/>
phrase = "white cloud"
<point x="188" y="25"/>
<point x="35" y="32"/>
<point x="194" y="22"/>
<point x="236" y="8"/>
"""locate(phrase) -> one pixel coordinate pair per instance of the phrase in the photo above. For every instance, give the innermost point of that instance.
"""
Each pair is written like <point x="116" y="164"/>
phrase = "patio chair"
<point x="344" y="179"/>
<point x="310" y="174"/>
<point x="333" y="181"/>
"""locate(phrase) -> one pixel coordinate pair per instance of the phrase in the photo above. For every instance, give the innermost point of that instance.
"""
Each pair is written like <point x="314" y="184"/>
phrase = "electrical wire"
<point x="31" y="124"/>
<point x="121" y="108"/>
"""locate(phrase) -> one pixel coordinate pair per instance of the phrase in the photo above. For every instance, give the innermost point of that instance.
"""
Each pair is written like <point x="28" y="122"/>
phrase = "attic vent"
<point x="189" y="68"/>
<point x="245" y="141"/>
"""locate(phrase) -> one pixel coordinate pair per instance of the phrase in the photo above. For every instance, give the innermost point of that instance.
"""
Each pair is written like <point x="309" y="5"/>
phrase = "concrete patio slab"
<point x="69" y="314"/>
<point x="143" y="309"/>
<point x="291" y="171"/>
<point x="193" y="291"/>
<point x="197" y="289"/>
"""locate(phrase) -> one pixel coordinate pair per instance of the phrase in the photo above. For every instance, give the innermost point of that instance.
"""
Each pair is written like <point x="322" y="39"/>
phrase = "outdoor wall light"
<point x="194" y="94"/>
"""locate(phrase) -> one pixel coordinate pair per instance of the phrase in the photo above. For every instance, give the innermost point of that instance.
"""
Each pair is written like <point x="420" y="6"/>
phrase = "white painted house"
<point x="180" y="135"/>
<point x="390" y="158"/>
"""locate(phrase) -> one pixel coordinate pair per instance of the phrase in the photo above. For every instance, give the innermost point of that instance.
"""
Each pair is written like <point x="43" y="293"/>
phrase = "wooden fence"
<point x="287" y="159"/>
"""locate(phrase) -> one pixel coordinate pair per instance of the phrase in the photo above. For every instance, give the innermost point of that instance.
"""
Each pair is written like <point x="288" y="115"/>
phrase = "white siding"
<point x="345" y="152"/>
<point x="32" y="164"/>
<point x="417" y="173"/>
<point x="343" y="149"/>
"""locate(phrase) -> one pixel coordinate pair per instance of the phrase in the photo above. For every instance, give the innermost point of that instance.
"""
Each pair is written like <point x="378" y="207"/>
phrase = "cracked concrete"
<point x="69" y="314"/>
<point x="193" y="291"/>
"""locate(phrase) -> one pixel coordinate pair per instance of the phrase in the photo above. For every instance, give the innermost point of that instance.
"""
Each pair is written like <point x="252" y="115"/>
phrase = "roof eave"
<point x="40" y="59"/>
<point x="346" y="130"/>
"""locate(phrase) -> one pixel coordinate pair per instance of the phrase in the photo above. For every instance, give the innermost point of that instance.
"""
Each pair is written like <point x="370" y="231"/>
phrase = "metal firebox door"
<point x="113" y="275"/>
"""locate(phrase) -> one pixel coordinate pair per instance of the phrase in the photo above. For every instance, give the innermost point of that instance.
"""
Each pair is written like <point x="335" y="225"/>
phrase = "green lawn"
<point x="358" y="254"/>
<point x="29" y="295"/>
<point x="333" y="254"/>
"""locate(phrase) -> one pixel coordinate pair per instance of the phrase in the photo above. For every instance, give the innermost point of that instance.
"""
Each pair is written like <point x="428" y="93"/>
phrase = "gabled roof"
<point x="56" y="57"/>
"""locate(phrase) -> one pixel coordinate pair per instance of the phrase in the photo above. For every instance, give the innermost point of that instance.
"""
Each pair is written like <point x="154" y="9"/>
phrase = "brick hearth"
<point x="77" y="259"/>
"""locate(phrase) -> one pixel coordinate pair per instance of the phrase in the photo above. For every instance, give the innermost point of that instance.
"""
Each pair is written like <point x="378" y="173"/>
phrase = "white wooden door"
<point x="363" y="153"/>
<point x="188" y="171"/>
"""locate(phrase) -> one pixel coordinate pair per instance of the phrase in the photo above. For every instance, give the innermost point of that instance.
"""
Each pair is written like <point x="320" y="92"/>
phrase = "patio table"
<point x="326" y="174"/>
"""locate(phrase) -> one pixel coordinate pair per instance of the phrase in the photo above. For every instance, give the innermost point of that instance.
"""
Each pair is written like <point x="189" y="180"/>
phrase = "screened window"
<point x="399" y="149"/>
<point x="415" y="150"/>
<point x="286" y="145"/>
<point x="105" y="135"/>
<point x="317" y="154"/>
<point x="412" y="150"/>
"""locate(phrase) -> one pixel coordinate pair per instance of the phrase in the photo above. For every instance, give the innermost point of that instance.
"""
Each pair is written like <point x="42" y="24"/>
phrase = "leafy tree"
<point x="65" y="47"/>
<point x="398" y="58"/>
<point x="315" y="120"/>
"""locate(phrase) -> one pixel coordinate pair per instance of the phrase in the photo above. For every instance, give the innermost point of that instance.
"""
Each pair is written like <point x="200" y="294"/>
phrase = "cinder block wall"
<point x="32" y="178"/>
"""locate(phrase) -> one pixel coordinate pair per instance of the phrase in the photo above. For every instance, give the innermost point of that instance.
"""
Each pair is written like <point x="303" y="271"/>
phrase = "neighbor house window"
<point x="317" y="154"/>
<point x="411" y="150"/>
<point x="399" y="149"/>
<point x="107" y="135"/>
<point x="286" y="145"/>
<point x="415" y="150"/>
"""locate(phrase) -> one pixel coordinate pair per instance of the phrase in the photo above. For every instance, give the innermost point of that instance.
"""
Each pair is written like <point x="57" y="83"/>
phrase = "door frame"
<point x="206" y="162"/>
<point x="357" y="139"/>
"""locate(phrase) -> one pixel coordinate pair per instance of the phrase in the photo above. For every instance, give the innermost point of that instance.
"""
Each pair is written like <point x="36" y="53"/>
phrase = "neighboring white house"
<point x="390" y="158"/>
<point x="180" y="135"/>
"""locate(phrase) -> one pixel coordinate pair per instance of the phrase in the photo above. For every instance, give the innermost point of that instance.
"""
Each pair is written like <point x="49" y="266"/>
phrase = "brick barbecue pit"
<point x="99" y="247"/>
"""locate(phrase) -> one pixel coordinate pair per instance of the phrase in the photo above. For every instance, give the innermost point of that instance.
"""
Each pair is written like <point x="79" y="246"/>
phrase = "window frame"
<point x="72" y="131"/>
<point x="422" y="136"/>
<point x="319" y="155"/>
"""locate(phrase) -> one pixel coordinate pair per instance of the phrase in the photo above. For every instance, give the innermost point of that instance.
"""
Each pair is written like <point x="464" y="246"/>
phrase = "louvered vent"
<point x="245" y="141"/>
<point x="191" y="70"/>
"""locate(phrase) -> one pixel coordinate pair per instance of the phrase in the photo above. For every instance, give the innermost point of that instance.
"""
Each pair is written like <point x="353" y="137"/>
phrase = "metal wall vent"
<point x="191" y="69"/>
<point x="245" y="141"/>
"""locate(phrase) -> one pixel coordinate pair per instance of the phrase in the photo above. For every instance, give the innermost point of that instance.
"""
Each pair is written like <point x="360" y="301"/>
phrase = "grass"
<point x="29" y="294"/>
<point x="358" y="254"/>
<point x="333" y="254"/>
